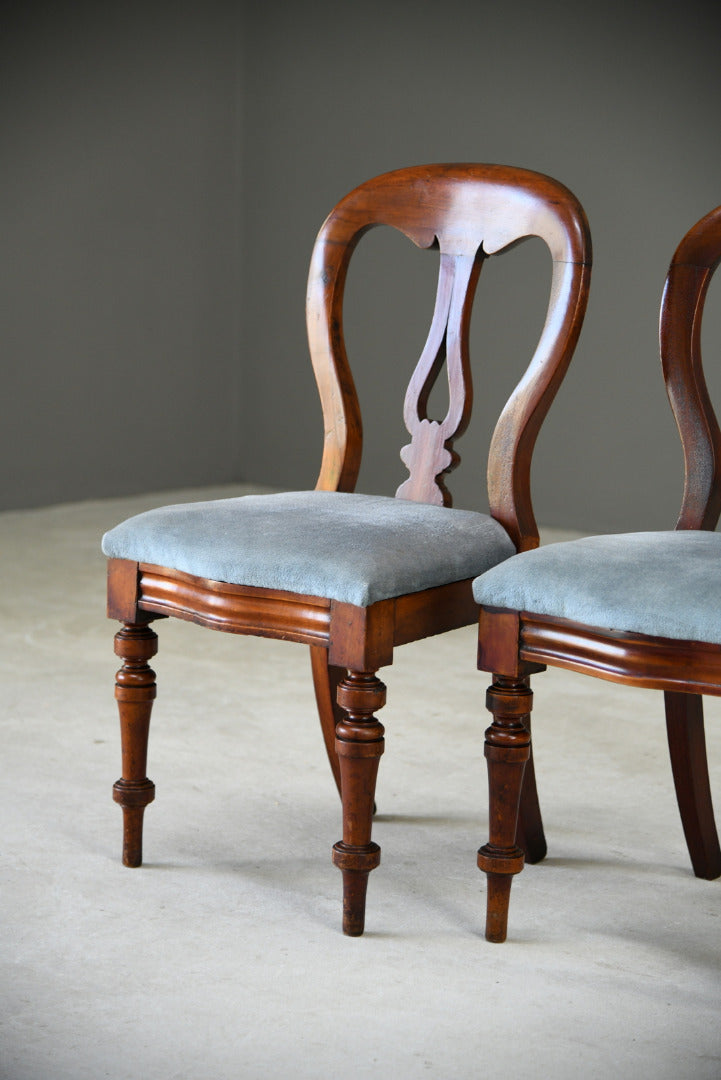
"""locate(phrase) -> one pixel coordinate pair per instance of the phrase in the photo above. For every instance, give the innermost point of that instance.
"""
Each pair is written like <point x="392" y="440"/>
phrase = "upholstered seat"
<point x="664" y="584"/>
<point x="349" y="547"/>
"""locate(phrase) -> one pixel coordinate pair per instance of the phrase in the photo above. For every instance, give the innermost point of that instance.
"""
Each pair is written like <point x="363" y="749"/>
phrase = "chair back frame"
<point x="692" y="267"/>
<point x="467" y="213"/>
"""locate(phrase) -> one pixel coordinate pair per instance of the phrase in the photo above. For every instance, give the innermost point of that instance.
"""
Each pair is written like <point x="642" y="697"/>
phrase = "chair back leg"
<point x="687" y="747"/>
<point x="326" y="679"/>
<point x="529" y="834"/>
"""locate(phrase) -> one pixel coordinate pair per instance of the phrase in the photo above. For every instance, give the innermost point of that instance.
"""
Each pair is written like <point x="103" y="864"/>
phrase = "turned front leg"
<point x="359" y="743"/>
<point x="134" y="692"/>
<point x="507" y="750"/>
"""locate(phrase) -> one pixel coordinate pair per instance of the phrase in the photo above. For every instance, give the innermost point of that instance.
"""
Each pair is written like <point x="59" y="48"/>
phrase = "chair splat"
<point x="430" y="456"/>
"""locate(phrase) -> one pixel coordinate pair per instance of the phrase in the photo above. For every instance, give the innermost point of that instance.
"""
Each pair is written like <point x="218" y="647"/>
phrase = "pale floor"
<point x="223" y="957"/>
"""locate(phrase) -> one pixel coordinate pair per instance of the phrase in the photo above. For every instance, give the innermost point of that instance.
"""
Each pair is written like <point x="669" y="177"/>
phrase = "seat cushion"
<point x="665" y="584"/>
<point x="348" y="547"/>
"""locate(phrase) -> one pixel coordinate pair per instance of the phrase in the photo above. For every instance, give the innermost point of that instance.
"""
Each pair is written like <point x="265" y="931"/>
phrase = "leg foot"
<point x="687" y="747"/>
<point x="355" y="885"/>
<point x="355" y="864"/>
<point x="507" y="750"/>
<point x="134" y="692"/>
<point x="359" y="743"/>
<point x="133" y="799"/>
<point x="499" y="895"/>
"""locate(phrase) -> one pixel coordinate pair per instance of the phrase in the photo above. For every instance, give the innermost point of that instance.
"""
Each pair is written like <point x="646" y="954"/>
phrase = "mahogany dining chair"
<point x="354" y="575"/>
<point x="642" y="609"/>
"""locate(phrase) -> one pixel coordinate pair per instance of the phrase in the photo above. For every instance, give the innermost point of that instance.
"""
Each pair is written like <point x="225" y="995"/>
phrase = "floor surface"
<point x="223" y="957"/>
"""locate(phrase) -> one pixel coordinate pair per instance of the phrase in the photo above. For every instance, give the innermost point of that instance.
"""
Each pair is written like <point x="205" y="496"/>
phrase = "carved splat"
<point x="430" y="455"/>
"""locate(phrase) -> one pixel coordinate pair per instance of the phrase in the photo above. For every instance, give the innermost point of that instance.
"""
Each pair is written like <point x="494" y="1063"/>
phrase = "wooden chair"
<point x="352" y="575"/>
<point x="641" y="608"/>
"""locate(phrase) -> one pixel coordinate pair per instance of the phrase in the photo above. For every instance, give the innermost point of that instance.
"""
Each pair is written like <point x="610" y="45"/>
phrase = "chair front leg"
<point x="359" y="743"/>
<point x="507" y="751"/>
<point x="135" y="692"/>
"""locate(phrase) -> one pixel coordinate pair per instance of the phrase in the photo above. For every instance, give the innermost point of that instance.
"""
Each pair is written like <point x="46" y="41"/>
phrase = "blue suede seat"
<point x="664" y="584"/>
<point x="354" y="548"/>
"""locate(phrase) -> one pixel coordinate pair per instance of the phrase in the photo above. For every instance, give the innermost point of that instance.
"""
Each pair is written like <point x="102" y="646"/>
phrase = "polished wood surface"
<point x="684" y="297"/>
<point x="618" y="656"/>
<point x="515" y="644"/>
<point x="468" y="212"/>
<point x="465" y="213"/>
<point x="687" y="749"/>
<point x="359" y="744"/>
<point x="326" y="679"/>
<point x="507" y="750"/>
<point x="235" y="609"/>
<point x="134" y="693"/>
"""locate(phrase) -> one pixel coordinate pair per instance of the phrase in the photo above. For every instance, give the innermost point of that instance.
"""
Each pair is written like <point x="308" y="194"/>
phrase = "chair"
<point x="354" y="575"/>
<point x="642" y="609"/>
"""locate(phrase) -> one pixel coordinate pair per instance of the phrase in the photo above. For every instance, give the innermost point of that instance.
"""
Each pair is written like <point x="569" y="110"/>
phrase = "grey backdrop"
<point x="164" y="170"/>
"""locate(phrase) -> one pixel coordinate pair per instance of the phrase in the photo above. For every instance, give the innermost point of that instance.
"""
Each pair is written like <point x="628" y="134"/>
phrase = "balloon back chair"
<point x="354" y="575"/>
<point x="642" y="609"/>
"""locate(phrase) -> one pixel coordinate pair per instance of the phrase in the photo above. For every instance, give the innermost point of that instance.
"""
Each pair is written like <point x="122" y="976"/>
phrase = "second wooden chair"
<point x="639" y="608"/>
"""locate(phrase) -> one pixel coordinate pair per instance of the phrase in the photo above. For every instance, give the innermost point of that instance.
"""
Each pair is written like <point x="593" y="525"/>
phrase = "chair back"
<point x="467" y="213"/>
<point x="687" y="282"/>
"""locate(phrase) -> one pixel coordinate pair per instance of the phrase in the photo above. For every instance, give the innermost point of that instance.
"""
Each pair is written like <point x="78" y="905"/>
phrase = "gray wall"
<point x="165" y="169"/>
<point x="119" y="188"/>
<point x="617" y="100"/>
